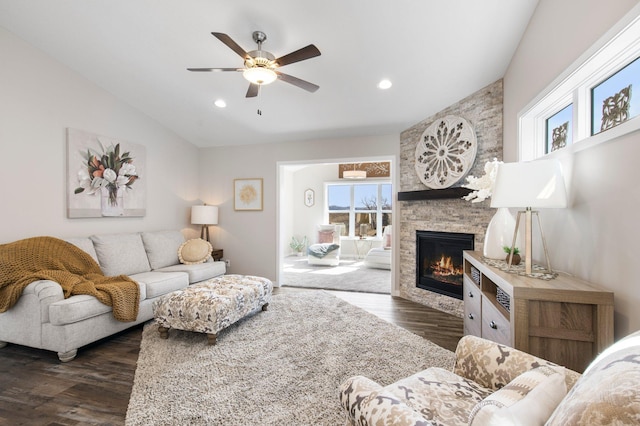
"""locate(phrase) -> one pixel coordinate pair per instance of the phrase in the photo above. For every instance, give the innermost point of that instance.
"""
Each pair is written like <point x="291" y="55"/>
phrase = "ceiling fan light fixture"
<point x="260" y="75"/>
<point x="384" y="84"/>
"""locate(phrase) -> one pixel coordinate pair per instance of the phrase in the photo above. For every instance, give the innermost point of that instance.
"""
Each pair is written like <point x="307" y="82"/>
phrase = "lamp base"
<point x="528" y="242"/>
<point x="203" y="231"/>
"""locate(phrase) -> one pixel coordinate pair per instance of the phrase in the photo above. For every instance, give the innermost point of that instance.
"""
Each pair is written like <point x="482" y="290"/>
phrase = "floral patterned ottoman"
<point x="212" y="305"/>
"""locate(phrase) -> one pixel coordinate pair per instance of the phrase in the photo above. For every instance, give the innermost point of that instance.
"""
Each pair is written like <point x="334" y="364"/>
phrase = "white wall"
<point x="597" y="236"/>
<point x="249" y="238"/>
<point x="39" y="99"/>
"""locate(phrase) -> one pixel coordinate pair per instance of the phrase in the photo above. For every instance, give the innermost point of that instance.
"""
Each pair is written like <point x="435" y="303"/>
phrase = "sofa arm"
<point x="367" y="403"/>
<point x="22" y="323"/>
<point x="493" y="365"/>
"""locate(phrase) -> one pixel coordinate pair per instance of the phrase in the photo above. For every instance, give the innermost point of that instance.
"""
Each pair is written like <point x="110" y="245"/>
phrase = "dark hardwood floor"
<point x="94" y="388"/>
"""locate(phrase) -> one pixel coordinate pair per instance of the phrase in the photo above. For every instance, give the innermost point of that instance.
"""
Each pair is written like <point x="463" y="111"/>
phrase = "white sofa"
<point x="42" y="318"/>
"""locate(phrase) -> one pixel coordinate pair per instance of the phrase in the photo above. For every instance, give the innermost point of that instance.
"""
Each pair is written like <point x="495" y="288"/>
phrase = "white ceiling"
<point x="435" y="52"/>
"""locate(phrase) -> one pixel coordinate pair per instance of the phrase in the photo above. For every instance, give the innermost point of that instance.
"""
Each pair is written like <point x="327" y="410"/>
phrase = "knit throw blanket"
<point x="48" y="258"/>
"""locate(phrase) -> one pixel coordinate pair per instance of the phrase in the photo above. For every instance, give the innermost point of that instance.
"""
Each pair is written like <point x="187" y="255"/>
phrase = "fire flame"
<point x="445" y="267"/>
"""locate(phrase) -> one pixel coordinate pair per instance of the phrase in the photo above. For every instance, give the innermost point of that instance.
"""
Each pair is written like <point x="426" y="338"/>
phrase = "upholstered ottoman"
<point x="212" y="305"/>
<point x="378" y="258"/>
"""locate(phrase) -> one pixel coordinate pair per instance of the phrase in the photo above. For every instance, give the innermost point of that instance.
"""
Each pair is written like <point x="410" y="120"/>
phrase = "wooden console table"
<point x="565" y="320"/>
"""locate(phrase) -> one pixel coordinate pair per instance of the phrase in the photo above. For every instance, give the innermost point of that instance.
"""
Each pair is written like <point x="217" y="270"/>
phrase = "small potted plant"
<point x="298" y="245"/>
<point x="516" y="255"/>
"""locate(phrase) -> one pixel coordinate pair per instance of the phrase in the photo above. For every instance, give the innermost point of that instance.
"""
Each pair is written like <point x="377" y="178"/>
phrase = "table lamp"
<point x="529" y="185"/>
<point x="205" y="216"/>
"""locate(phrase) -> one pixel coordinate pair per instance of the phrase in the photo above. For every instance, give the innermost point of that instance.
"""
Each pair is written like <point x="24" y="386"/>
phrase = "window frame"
<point x="352" y="208"/>
<point x="617" y="48"/>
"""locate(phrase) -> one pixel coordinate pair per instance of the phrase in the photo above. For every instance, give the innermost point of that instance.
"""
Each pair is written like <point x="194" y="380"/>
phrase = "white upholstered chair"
<point x="326" y="251"/>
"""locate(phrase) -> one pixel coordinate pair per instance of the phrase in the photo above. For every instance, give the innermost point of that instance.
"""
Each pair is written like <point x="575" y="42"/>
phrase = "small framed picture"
<point x="247" y="194"/>
<point x="309" y="198"/>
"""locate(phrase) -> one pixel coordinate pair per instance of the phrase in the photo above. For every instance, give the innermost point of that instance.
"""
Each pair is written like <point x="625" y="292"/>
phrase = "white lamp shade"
<point x="204" y="215"/>
<point x="535" y="184"/>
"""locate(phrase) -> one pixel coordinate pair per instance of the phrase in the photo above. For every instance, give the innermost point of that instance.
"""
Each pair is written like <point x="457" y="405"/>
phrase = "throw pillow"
<point x="387" y="241"/>
<point x="529" y="399"/>
<point x="325" y="237"/>
<point x="194" y="251"/>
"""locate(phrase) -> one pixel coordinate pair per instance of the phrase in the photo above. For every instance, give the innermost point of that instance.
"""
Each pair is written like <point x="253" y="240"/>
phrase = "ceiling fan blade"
<point x="309" y="87"/>
<point x="253" y="90"/>
<point x="231" y="44"/>
<point x="214" y="69"/>
<point x="307" y="52"/>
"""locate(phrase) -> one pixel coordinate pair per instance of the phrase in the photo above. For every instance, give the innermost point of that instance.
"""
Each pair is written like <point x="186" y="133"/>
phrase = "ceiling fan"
<point x="261" y="67"/>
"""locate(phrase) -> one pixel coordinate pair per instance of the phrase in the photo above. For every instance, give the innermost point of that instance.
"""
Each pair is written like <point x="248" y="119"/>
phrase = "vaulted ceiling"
<point x="435" y="52"/>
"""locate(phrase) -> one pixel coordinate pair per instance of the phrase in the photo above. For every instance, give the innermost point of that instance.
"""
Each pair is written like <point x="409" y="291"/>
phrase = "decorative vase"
<point x="111" y="201"/>
<point x="499" y="234"/>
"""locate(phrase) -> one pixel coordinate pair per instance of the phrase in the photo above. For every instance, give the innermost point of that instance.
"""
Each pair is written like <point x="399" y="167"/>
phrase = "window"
<point x="560" y="129"/>
<point x="593" y="97"/>
<point x="363" y="209"/>
<point x="611" y="100"/>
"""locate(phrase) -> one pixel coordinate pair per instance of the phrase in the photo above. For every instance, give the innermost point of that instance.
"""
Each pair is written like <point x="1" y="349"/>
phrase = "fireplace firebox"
<point x="439" y="265"/>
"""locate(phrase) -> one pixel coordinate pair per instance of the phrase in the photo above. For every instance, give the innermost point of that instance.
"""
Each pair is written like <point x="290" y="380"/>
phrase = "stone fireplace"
<point x="450" y="213"/>
<point x="439" y="261"/>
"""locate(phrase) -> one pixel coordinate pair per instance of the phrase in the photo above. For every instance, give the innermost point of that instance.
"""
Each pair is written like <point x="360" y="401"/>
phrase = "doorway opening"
<point x="303" y="209"/>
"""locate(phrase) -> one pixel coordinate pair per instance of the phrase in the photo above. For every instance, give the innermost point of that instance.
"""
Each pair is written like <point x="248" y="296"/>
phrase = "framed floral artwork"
<point x="247" y="194"/>
<point x="105" y="176"/>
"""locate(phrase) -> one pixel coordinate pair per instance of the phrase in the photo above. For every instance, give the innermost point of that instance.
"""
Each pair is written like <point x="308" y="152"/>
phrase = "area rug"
<point x="349" y="275"/>
<point x="279" y="367"/>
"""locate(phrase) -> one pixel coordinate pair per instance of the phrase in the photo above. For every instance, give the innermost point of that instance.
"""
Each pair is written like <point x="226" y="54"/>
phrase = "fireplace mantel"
<point x="433" y="194"/>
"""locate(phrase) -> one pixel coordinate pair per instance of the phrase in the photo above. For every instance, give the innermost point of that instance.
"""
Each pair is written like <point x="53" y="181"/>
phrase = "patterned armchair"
<point x="493" y="384"/>
<point x="467" y="395"/>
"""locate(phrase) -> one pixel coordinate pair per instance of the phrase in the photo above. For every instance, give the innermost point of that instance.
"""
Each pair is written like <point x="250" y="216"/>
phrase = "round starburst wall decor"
<point x="446" y="152"/>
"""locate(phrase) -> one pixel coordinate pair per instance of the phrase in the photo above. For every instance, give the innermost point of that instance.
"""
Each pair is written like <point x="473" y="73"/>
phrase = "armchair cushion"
<point x="493" y="365"/>
<point x="435" y="395"/>
<point x="529" y="399"/>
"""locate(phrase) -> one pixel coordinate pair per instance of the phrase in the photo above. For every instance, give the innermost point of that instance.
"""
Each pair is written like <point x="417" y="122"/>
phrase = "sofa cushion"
<point x="84" y="244"/>
<point x="607" y="393"/>
<point x="76" y="308"/>
<point x="529" y="399"/>
<point x="435" y="393"/>
<point x="159" y="283"/>
<point x="121" y="254"/>
<point x="162" y="247"/>
<point x="80" y="307"/>
<point x="194" y="251"/>
<point x="198" y="272"/>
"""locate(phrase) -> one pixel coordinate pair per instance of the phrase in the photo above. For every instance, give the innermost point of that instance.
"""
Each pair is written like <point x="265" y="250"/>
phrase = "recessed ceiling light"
<point x="384" y="84"/>
<point x="220" y="103"/>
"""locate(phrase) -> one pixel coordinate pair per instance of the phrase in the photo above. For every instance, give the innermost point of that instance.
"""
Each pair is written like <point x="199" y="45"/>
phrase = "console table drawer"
<point x="472" y="308"/>
<point x="494" y="325"/>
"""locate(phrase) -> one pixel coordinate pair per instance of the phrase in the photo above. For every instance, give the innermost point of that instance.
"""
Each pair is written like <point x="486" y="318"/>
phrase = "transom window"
<point x="362" y="209"/>
<point x="596" y="99"/>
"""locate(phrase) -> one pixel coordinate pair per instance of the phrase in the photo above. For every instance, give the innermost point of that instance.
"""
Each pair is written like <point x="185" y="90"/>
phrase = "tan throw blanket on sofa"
<point x="48" y="258"/>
